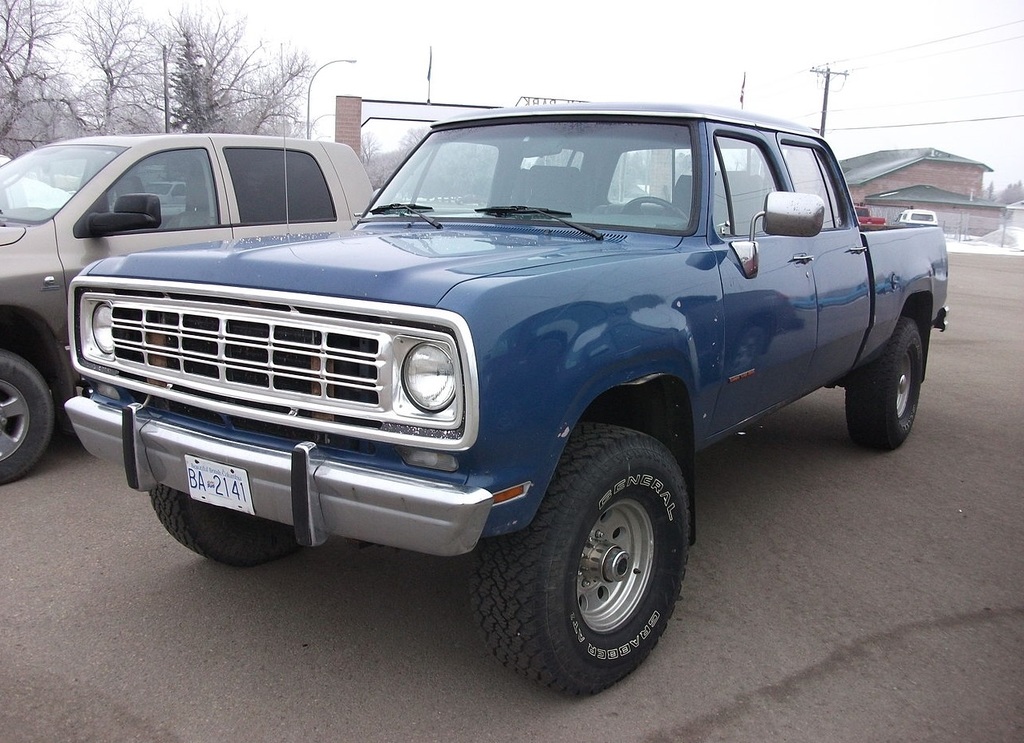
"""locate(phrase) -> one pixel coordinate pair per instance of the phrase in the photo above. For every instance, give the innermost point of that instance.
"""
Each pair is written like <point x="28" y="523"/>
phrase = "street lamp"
<point x="331" y="115"/>
<point x="309" y="90"/>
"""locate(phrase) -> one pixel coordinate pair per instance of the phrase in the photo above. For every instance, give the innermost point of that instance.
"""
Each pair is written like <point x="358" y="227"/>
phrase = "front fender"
<point x="549" y="345"/>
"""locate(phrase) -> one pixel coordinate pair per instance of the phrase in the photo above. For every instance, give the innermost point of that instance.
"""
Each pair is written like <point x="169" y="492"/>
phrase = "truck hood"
<point x="410" y="266"/>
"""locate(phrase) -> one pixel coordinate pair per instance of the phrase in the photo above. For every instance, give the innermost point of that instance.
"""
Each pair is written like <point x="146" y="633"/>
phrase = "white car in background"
<point x="917" y="216"/>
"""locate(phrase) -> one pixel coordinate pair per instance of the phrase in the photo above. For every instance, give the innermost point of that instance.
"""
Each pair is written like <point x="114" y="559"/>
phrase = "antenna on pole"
<point x="828" y="74"/>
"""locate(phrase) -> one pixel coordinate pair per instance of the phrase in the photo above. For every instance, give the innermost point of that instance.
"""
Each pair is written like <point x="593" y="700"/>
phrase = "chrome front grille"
<point x="278" y="356"/>
<point x="281" y="359"/>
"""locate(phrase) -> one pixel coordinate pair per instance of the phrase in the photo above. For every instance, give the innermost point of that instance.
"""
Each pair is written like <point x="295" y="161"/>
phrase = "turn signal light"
<point x="510" y="493"/>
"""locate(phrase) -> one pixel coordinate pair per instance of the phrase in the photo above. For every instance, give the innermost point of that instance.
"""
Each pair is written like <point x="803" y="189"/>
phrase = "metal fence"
<point x="957" y="225"/>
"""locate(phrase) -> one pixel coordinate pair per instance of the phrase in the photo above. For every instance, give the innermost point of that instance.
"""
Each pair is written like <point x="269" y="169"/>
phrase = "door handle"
<point x="801" y="258"/>
<point x="858" y="250"/>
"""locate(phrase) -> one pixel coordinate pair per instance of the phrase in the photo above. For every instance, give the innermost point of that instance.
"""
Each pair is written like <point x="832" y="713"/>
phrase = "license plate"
<point x="219" y="484"/>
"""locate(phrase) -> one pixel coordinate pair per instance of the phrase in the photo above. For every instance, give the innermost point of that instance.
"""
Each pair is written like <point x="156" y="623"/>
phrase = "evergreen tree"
<point x="1012" y="193"/>
<point x="195" y="108"/>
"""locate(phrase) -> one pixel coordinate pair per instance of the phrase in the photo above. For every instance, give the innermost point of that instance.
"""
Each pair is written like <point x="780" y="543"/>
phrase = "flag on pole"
<point x="743" y="88"/>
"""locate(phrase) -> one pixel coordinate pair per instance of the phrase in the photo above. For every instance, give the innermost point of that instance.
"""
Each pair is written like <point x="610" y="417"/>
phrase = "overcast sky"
<point x="910" y="67"/>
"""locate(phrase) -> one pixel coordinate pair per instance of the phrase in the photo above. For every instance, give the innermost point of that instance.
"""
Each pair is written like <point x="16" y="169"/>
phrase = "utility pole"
<point x="827" y="73"/>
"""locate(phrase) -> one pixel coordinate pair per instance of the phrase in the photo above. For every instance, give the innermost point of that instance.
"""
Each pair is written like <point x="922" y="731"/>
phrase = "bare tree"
<point x="379" y="164"/>
<point x="220" y="85"/>
<point x="121" y="49"/>
<point x="32" y="98"/>
<point x="107" y="68"/>
<point x="269" y="103"/>
<point x="369" y="147"/>
<point x="412" y="138"/>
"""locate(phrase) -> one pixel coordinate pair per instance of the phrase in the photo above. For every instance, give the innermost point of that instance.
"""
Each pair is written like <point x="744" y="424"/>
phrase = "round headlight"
<point x="428" y="376"/>
<point x="103" y="327"/>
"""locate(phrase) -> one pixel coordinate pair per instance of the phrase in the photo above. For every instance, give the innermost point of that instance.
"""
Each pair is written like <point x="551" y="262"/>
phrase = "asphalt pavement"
<point x="834" y="594"/>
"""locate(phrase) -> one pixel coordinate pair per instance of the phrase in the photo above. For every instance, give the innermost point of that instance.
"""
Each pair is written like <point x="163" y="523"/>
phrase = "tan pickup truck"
<point x="65" y="205"/>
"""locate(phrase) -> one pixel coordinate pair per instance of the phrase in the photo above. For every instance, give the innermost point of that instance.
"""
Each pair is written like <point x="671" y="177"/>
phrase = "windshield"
<point x="626" y="174"/>
<point x="36" y="185"/>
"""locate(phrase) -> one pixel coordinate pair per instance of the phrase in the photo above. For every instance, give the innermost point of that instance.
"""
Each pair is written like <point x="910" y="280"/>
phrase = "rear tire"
<point x="26" y="416"/>
<point x="881" y="398"/>
<point x="578" y="599"/>
<point x="219" y="534"/>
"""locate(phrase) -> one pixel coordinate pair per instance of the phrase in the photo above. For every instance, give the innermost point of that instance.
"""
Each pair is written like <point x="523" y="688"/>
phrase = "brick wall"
<point x="960" y="178"/>
<point x="348" y="112"/>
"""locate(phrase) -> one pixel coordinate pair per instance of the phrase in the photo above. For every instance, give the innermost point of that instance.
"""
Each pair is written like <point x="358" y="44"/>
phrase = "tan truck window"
<point x="259" y="188"/>
<point x="182" y="179"/>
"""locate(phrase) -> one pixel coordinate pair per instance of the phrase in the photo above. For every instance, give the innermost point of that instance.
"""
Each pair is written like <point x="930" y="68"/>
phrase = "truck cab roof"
<point x="654" y="110"/>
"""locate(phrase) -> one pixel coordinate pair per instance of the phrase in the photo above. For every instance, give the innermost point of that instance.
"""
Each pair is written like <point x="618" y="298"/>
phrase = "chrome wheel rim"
<point x="615" y="566"/>
<point x="903" y="385"/>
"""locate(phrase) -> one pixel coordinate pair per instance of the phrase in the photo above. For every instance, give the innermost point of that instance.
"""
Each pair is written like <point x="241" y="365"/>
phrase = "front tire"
<point x="881" y="398"/>
<point x="26" y="416"/>
<point x="578" y="599"/>
<point x="219" y="534"/>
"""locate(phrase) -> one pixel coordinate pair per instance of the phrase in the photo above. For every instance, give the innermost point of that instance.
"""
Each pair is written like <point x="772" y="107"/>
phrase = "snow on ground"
<point x="1001" y="242"/>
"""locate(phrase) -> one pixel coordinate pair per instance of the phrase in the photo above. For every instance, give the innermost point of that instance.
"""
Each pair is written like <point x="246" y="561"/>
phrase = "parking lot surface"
<point x="834" y="594"/>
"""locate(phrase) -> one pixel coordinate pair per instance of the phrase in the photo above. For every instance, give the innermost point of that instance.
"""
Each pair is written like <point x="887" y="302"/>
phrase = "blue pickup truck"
<point x="540" y="319"/>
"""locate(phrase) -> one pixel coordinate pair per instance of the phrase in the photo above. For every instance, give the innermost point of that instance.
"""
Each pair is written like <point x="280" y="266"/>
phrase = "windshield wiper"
<point x="508" y="211"/>
<point x="409" y="209"/>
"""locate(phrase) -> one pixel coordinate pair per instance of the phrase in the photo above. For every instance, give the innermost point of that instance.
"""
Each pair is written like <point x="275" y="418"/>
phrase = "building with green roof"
<point x="890" y="181"/>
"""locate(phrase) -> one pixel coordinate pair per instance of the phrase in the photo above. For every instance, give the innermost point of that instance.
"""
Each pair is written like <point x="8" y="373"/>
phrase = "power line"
<point x="933" y="41"/>
<point x="927" y="123"/>
<point x="923" y="103"/>
<point x="948" y="51"/>
<point x="828" y="73"/>
<point x="784" y="79"/>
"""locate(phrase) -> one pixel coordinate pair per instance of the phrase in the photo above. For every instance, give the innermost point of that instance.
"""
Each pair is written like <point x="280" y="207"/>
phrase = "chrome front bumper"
<point x="302" y="487"/>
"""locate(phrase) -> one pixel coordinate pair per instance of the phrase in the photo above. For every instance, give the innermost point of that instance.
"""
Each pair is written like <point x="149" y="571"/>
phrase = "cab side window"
<point x="743" y="180"/>
<point x="181" y="179"/>
<point x="261" y="193"/>
<point x="809" y="174"/>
